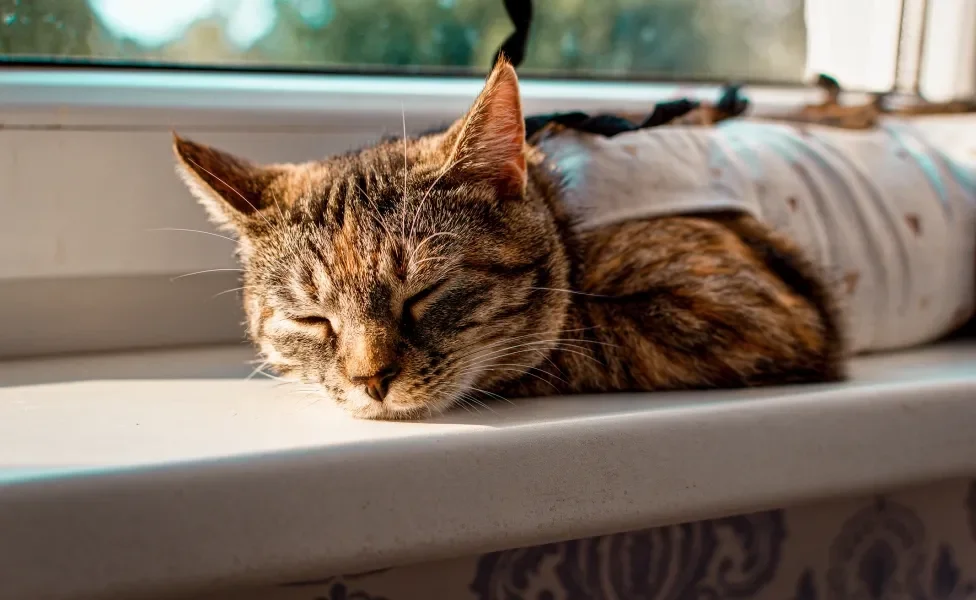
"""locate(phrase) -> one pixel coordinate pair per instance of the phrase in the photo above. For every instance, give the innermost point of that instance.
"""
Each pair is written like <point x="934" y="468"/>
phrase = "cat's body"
<point x="419" y="274"/>
<point x="689" y="302"/>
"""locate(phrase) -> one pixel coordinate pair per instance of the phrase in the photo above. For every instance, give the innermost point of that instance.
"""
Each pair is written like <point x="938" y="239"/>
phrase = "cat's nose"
<point x="378" y="383"/>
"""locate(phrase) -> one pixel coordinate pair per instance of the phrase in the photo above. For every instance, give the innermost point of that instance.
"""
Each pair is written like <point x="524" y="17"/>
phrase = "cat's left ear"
<point x="489" y="142"/>
<point x="233" y="190"/>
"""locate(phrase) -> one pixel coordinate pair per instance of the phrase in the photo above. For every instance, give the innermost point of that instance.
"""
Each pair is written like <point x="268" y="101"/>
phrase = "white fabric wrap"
<point x="887" y="215"/>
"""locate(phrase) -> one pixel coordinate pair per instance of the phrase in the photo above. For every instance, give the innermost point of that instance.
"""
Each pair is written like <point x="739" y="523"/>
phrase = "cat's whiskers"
<point x="274" y="197"/>
<point x="538" y="348"/>
<point x="292" y="238"/>
<point x="403" y="118"/>
<point x="258" y="369"/>
<point x="478" y="368"/>
<point x="526" y="372"/>
<point x="475" y="349"/>
<point x="281" y="381"/>
<point x="456" y="393"/>
<point x="578" y="353"/>
<point x="462" y="398"/>
<point x="565" y="342"/>
<point x="478" y="361"/>
<point x="427" y="239"/>
<point x="540" y="351"/>
<point x="481" y="345"/>
<point x="285" y="383"/>
<point x="203" y="272"/>
<point x="460" y="394"/>
<point x="511" y="367"/>
<point x="230" y="291"/>
<point x="423" y="200"/>
<point x="429" y="258"/>
<point x="317" y="395"/>
<point x="262" y="364"/>
<point x="210" y="233"/>
<point x="457" y="400"/>
<point x="549" y="360"/>
<point x="480" y="403"/>
<point x="493" y="395"/>
<point x="233" y="189"/>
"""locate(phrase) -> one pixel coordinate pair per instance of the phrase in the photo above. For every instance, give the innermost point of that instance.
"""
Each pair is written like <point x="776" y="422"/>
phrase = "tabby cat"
<point x="423" y="273"/>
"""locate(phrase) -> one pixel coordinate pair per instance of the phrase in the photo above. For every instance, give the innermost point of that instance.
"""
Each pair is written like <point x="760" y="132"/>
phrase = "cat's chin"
<point x="391" y="410"/>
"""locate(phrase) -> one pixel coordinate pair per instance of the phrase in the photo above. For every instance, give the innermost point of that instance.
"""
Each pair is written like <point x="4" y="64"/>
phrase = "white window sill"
<point x="166" y="471"/>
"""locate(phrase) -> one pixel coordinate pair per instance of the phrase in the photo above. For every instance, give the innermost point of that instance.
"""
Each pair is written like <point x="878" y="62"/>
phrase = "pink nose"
<point x="377" y="384"/>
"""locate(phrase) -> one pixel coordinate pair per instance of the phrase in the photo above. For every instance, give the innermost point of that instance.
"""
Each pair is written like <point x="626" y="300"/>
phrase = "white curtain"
<point x="857" y="41"/>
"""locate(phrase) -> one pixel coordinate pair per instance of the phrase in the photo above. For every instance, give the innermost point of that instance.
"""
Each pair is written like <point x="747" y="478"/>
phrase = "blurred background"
<point x="754" y="40"/>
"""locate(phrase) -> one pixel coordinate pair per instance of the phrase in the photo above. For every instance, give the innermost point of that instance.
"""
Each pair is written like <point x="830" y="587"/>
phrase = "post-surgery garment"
<point x="887" y="215"/>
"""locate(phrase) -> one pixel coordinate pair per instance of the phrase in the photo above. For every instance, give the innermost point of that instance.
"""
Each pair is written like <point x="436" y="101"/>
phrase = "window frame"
<point x="75" y="121"/>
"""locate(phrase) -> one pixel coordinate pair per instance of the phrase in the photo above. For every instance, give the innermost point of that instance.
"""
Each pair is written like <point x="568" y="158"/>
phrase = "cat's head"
<point x="398" y="291"/>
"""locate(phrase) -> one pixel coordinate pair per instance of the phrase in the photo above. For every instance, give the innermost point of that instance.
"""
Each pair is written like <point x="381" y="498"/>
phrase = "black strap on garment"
<point x="665" y="112"/>
<point x="520" y="13"/>
<point x="732" y="104"/>
<point x="610" y="125"/>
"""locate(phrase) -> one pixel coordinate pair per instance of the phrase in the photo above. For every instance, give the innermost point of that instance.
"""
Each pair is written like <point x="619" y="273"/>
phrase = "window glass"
<point x="753" y="40"/>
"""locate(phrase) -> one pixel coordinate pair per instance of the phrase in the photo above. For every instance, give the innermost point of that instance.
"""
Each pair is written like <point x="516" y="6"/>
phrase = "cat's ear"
<point x="232" y="189"/>
<point x="489" y="142"/>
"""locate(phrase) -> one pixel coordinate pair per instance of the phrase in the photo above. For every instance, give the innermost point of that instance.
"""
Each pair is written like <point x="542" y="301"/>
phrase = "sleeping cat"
<point x="424" y="273"/>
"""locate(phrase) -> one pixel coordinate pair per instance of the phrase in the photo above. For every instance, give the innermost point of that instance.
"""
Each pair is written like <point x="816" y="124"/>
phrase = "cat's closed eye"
<point x="313" y="321"/>
<point x="415" y="305"/>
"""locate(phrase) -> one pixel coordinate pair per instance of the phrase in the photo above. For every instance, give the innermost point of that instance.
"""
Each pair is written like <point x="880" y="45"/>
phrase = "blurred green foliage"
<point x="752" y="40"/>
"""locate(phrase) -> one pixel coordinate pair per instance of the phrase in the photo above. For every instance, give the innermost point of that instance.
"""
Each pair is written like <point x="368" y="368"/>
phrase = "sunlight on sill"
<point x="155" y="407"/>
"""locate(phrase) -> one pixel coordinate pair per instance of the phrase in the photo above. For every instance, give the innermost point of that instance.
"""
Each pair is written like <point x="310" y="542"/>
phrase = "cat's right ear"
<point x="488" y="144"/>
<point x="231" y="189"/>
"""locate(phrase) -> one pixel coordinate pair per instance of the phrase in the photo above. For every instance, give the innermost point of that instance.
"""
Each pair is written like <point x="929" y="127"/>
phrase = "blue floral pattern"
<point x="880" y="553"/>
<point x="723" y="558"/>
<point x="897" y="547"/>
<point x="945" y="583"/>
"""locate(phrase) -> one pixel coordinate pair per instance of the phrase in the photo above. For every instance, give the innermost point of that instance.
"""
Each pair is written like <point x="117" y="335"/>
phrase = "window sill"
<point x="166" y="471"/>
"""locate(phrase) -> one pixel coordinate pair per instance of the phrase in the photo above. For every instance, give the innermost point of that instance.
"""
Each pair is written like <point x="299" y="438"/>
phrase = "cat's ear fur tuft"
<point x="232" y="189"/>
<point x="489" y="142"/>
